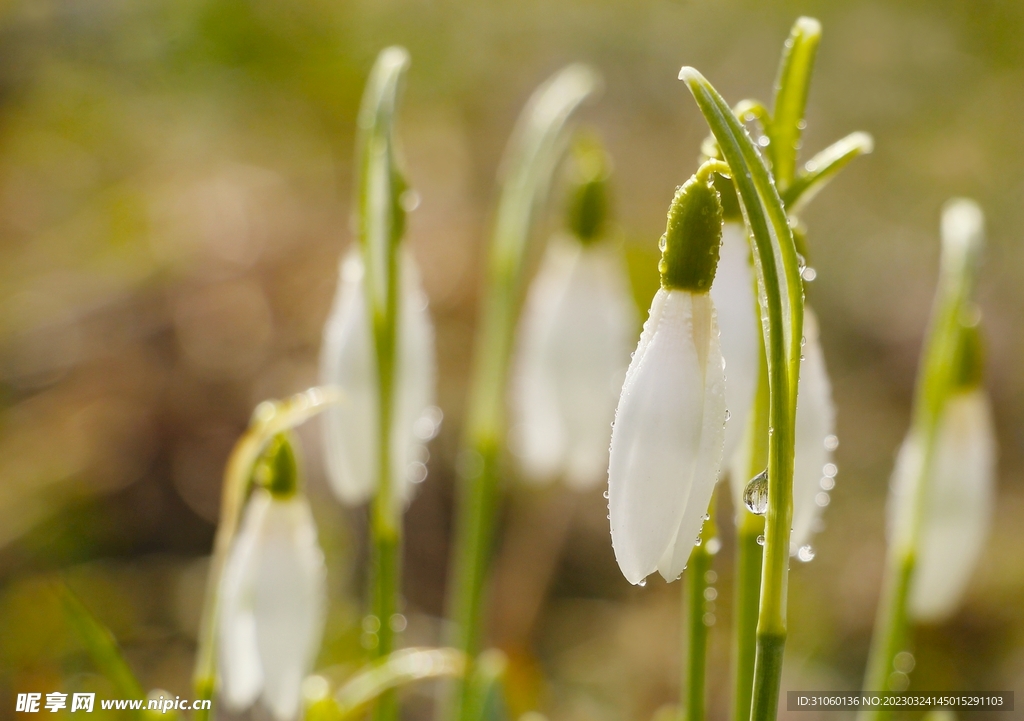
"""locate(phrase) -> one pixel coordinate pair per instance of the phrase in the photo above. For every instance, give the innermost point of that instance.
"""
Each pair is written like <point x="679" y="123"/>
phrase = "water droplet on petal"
<point x="663" y="243"/>
<point x="642" y="583"/>
<point x="755" y="495"/>
<point x="728" y="415"/>
<point x="760" y="540"/>
<point x="805" y="554"/>
<point x="698" y="541"/>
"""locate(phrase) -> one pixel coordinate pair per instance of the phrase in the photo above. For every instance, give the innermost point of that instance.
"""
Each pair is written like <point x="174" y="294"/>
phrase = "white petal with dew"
<point x="347" y="361"/>
<point x="290" y="602"/>
<point x="656" y="438"/>
<point x="573" y="351"/>
<point x="712" y="443"/>
<point x="416" y="376"/>
<point x="815" y="421"/>
<point x="733" y="294"/>
<point x="958" y="507"/>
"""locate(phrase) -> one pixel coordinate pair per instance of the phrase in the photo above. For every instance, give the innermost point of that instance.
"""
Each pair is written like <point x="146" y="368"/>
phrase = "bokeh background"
<point x="174" y="199"/>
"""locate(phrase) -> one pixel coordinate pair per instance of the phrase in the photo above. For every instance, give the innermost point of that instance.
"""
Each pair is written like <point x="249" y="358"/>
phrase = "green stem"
<point x="532" y="156"/>
<point x="696" y="629"/>
<point x="380" y="223"/>
<point x="749" y="554"/>
<point x="749" y="557"/>
<point x="782" y="290"/>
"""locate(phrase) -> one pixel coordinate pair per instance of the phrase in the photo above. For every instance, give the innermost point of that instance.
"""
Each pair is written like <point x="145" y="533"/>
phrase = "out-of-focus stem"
<point x="962" y="240"/>
<point x="695" y="629"/>
<point x="529" y="165"/>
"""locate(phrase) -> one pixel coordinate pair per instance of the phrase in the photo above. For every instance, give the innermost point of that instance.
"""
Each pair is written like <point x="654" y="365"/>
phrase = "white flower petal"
<point x="815" y="420"/>
<point x="733" y="293"/>
<point x="347" y="361"/>
<point x="574" y="345"/>
<point x="957" y="509"/>
<point x="709" y="459"/>
<point x="657" y="435"/>
<point x="290" y="601"/>
<point x="241" y="674"/>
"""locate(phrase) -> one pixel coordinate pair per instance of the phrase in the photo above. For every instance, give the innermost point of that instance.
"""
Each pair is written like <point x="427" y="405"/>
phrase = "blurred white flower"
<point x="667" y="442"/>
<point x="957" y="506"/>
<point x="348" y="361"/>
<point x="573" y="348"/>
<point x="272" y="605"/>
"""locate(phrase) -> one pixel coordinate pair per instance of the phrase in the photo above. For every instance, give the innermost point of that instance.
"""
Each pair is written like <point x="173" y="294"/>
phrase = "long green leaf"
<point x="100" y="644"/>
<point x="791" y="89"/>
<point x="820" y="169"/>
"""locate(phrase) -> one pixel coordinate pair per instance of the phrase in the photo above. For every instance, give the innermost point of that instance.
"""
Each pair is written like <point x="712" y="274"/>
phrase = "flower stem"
<point x="695" y="633"/>
<point x="529" y="165"/>
<point x="749" y="555"/>
<point x="962" y="239"/>
<point x="380" y="224"/>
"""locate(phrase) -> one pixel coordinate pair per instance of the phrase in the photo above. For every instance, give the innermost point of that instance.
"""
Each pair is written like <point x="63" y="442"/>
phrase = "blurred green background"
<point x="174" y="199"/>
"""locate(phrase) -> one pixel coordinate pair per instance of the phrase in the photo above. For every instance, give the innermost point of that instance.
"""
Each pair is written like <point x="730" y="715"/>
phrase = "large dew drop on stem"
<point x="755" y="495"/>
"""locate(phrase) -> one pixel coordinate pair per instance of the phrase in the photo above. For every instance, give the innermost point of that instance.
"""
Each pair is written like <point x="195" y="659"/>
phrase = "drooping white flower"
<point x="272" y="605"/>
<point x="733" y="292"/>
<point x="957" y="507"/>
<point x="667" y="442"/>
<point x="573" y="348"/>
<point x="813" y="471"/>
<point x="348" y="361"/>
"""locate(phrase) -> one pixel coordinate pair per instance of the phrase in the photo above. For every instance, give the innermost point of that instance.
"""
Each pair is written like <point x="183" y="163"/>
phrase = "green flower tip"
<point x="693" y="236"/>
<point x="277" y="469"/>
<point x="587" y="212"/>
<point x="807" y="27"/>
<point x="963" y="229"/>
<point x="970" y="356"/>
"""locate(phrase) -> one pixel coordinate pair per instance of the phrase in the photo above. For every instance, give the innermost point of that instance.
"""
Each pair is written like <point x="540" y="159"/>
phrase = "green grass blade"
<point x="100" y="644"/>
<point x="824" y="166"/>
<point x="791" y="89"/>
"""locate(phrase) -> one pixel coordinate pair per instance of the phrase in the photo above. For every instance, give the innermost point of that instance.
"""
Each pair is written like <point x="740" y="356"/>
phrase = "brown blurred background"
<point x="174" y="199"/>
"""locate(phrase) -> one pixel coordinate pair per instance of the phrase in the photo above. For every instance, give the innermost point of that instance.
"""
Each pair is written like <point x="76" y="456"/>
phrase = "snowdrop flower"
<point x="573" y="348"/>
<point x="348" y="361"/>
<point x="273" y="594"/>
<point x="958" y="503"/>
<point x="667" y="442"/>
